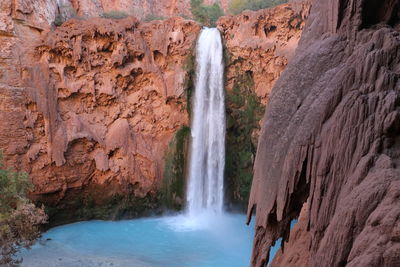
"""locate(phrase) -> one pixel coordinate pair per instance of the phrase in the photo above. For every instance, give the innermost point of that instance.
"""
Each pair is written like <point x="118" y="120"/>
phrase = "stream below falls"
<point x="178" y="241"/>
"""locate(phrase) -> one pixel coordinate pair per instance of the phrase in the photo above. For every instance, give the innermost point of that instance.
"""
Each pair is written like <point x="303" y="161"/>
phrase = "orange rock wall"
<point x="114" y="89"/>
<point x="138" y="8"/>
<point x="262" y="42"/>
<point x="91" y="105"/>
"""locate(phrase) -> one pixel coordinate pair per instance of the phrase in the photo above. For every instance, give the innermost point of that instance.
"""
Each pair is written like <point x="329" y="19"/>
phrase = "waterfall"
<point x="207" y="149"/>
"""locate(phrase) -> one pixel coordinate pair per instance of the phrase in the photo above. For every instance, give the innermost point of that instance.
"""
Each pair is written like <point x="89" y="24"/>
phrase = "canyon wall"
<point x="330" y="138"/>
<point x="120" y="99"/>
<point x="89" y="108"/>
<point x="137" y="8"/>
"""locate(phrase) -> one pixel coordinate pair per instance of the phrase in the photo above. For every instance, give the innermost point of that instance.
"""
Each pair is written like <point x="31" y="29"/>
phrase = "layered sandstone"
<point x="331" y="139"/>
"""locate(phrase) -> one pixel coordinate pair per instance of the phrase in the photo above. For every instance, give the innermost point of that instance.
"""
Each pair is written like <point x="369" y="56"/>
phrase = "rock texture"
<point x="261" y="43"/>
<point x="138" y="8"/>
<point x="296" y="250"/>
<point x="331" y="137"/>
<point x="114" y="98"/>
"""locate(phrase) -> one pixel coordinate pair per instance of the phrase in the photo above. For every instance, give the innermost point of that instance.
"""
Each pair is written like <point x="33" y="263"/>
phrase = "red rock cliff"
<point x="138" y="8"/>
<point x="331" y="139"/>
<point x="261" y="43"/>
<point x="88" y="109"/>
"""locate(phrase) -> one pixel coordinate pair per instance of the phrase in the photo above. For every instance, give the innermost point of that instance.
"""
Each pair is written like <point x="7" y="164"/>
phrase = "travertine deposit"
<point x="295" y="252"/>
<point x="331" y="139"/>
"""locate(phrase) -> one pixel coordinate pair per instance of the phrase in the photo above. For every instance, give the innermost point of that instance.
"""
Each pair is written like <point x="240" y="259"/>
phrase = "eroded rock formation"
<point x="121" y="97"/>
<point x="138" y="8"/>
<point x="331" y="139"/>
<point x="296" y="251"/>
<point x="88" y="108"/>
<point x="261" y="43"/>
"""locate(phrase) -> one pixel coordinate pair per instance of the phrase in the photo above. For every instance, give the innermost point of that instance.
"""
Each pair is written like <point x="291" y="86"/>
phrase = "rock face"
<point x="88" y="109"/>
<point x="121" y="97"/>
<point x="138" y="8"/>
<point x="331" y="138"/>
<point x="296" y="251"/>
<point x="259" y="45"/>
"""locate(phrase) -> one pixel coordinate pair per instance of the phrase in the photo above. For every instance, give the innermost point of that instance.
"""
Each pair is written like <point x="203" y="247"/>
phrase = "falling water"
<point x="207" y="151"/>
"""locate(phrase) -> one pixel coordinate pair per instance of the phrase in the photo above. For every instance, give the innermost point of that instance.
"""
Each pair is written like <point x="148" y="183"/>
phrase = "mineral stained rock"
<point x="331" y="138"/>
<point x="259" y="44"/>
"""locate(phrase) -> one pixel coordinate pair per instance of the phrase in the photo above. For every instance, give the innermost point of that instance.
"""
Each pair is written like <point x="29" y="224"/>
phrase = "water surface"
<point x="168" y="241"/>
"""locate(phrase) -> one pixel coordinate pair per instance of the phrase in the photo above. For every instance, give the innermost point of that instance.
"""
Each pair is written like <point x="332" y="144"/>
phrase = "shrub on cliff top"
<point x="114" y="14"/>
<point x="237" y="6"/>
<point x="205" y="14"/>
<point x="19" y="219"/>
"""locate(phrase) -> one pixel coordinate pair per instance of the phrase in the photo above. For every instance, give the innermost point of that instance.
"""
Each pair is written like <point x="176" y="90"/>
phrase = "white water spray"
<point x="207" y="151"/>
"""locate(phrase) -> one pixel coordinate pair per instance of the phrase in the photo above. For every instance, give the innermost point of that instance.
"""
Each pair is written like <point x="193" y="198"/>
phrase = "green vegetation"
<point x="173" y="187"/>
<point x="237" y="6"/>
<point x="190" y="68"/>
<point x="95" y="203"/>
<point x="152" y="17"/>
<point x="19" y="218"/>
<point x="114" y="14"/>
<point x="205" y="14"/>
<point x="59" y="20"/>
<point x="244" y="112"/>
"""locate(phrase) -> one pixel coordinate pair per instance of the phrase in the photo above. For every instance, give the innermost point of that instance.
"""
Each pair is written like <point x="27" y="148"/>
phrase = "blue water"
<point x="168" y="241"/>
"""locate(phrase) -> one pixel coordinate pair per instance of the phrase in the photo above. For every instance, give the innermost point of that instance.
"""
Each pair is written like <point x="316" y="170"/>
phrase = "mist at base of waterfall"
<point x="179" y="241"/>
